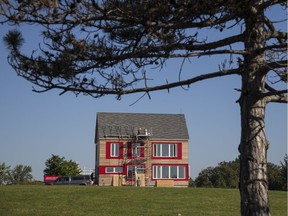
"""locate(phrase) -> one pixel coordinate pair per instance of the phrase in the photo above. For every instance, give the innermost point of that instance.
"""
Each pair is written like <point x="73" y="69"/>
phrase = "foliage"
<point x="142" y="201"/>
<point x="191" y="183"/>
<point x="226" y="175"/>
<point x="21" y="174"/>
<point x="58" y="166"/>
<point x="82" y="39"/>
<point x="4" y="173"/>
<point x="13" y="40"/>
<point x="284" y="172"/>
<point x="274" y="177"/>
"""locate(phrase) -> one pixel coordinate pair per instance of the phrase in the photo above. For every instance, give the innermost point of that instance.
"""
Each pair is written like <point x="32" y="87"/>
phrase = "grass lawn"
<point x="104" y="201"/>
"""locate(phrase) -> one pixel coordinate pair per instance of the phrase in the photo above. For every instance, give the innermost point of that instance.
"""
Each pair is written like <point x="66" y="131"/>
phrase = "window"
<point x="169" y="172"/>
<point x="114" y="169"/>
<point x="77" y="178"/>
<point x="136" y="150"/>
<point x="165" y="150"/>
<point x="62" y="179"/>
<point x="114" y="150"/>
<point x="131" y="171"/>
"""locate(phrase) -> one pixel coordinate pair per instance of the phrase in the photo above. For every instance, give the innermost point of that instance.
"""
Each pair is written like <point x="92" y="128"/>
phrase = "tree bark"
<point x="253" y="146"/>
<point x="253" y="159"/>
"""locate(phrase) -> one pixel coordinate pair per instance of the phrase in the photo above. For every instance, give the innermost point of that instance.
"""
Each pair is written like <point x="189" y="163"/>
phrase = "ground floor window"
<point x="114" y="169"/>
<point x="169" y="172"/>
<point x="131" y="171"/>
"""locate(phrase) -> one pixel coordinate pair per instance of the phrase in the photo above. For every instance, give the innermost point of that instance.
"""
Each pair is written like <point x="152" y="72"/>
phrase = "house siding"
<point x="107" y="178"/>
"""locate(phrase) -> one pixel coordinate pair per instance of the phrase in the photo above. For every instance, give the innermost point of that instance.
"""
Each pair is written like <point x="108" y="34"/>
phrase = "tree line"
<point x="226" y="175"/>
<point x="20" y="174"/>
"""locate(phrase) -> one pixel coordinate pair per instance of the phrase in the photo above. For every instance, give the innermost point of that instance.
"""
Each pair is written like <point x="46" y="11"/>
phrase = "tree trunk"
<point x="253" y="146"/>
<point x="253" y="159"/>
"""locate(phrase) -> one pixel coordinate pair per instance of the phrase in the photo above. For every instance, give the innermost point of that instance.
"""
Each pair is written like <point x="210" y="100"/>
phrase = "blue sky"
<point x="34" y="126"/>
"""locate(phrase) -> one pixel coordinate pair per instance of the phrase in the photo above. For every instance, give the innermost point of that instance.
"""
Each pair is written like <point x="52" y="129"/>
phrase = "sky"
<point x="34" y="126"/>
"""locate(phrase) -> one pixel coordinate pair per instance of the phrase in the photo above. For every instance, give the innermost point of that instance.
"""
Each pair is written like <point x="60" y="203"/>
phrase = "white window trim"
<point x="170" y="148"/>
<point x="114" y="169"/>
<point x="157" y="175"/>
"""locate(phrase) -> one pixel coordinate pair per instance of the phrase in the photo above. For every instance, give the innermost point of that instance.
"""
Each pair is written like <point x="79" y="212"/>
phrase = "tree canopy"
<point x="226" y="175"/>
<point x="20" y="174"/>
<point x="106" y="48"/>
<point x="4" y="173"/>
<point x="58" y="166"/>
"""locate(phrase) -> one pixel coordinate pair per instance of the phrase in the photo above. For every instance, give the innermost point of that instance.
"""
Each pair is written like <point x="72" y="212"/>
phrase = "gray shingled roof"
<point x="163" y="126"/>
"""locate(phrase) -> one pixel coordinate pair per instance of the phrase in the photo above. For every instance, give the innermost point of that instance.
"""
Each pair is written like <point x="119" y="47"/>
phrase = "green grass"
<point x="105" y="201"/>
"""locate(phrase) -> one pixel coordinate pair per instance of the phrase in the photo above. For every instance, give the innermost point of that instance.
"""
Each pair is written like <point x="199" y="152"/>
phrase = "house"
<point x="151" y="149"/>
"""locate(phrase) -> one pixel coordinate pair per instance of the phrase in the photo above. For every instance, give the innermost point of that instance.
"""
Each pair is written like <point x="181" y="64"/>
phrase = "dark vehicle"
<point x="73" y="180"/>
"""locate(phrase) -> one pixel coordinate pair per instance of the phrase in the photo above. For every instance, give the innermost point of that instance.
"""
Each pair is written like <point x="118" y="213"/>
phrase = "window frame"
<point x="158" y="171"/>
<point x="114" y="169"/>
<point x="132" y="166"/>
<point x="102" y="170"/>
<point x="111" y="150"/>
<point x="174" y="150"/>
<point x="130" y="150"/>
<point x="114" y="149"/>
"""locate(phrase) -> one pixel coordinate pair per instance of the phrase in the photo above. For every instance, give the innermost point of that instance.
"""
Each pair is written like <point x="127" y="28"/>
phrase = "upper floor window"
<point x="114" y="149"/>
<point x="135" y="150"/>
<point x="166" y="150"/>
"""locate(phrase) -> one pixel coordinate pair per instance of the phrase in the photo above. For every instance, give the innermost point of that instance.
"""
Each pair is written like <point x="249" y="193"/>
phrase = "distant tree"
<point x="21" y="174"/>
<point x="54" y="165"/>
<point x="284" y="173"/>
<point x="227" y="174"/>
<point x="58" y="166"/>
<point x="70" y="168"/>
<point x="275" y="181"/>
<point x="204" y="178"/>
<point x="191" y="183"/>
<point x="4" y="173"/>
<point x="224" y="175"/>
<point x="108" y="47"/>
